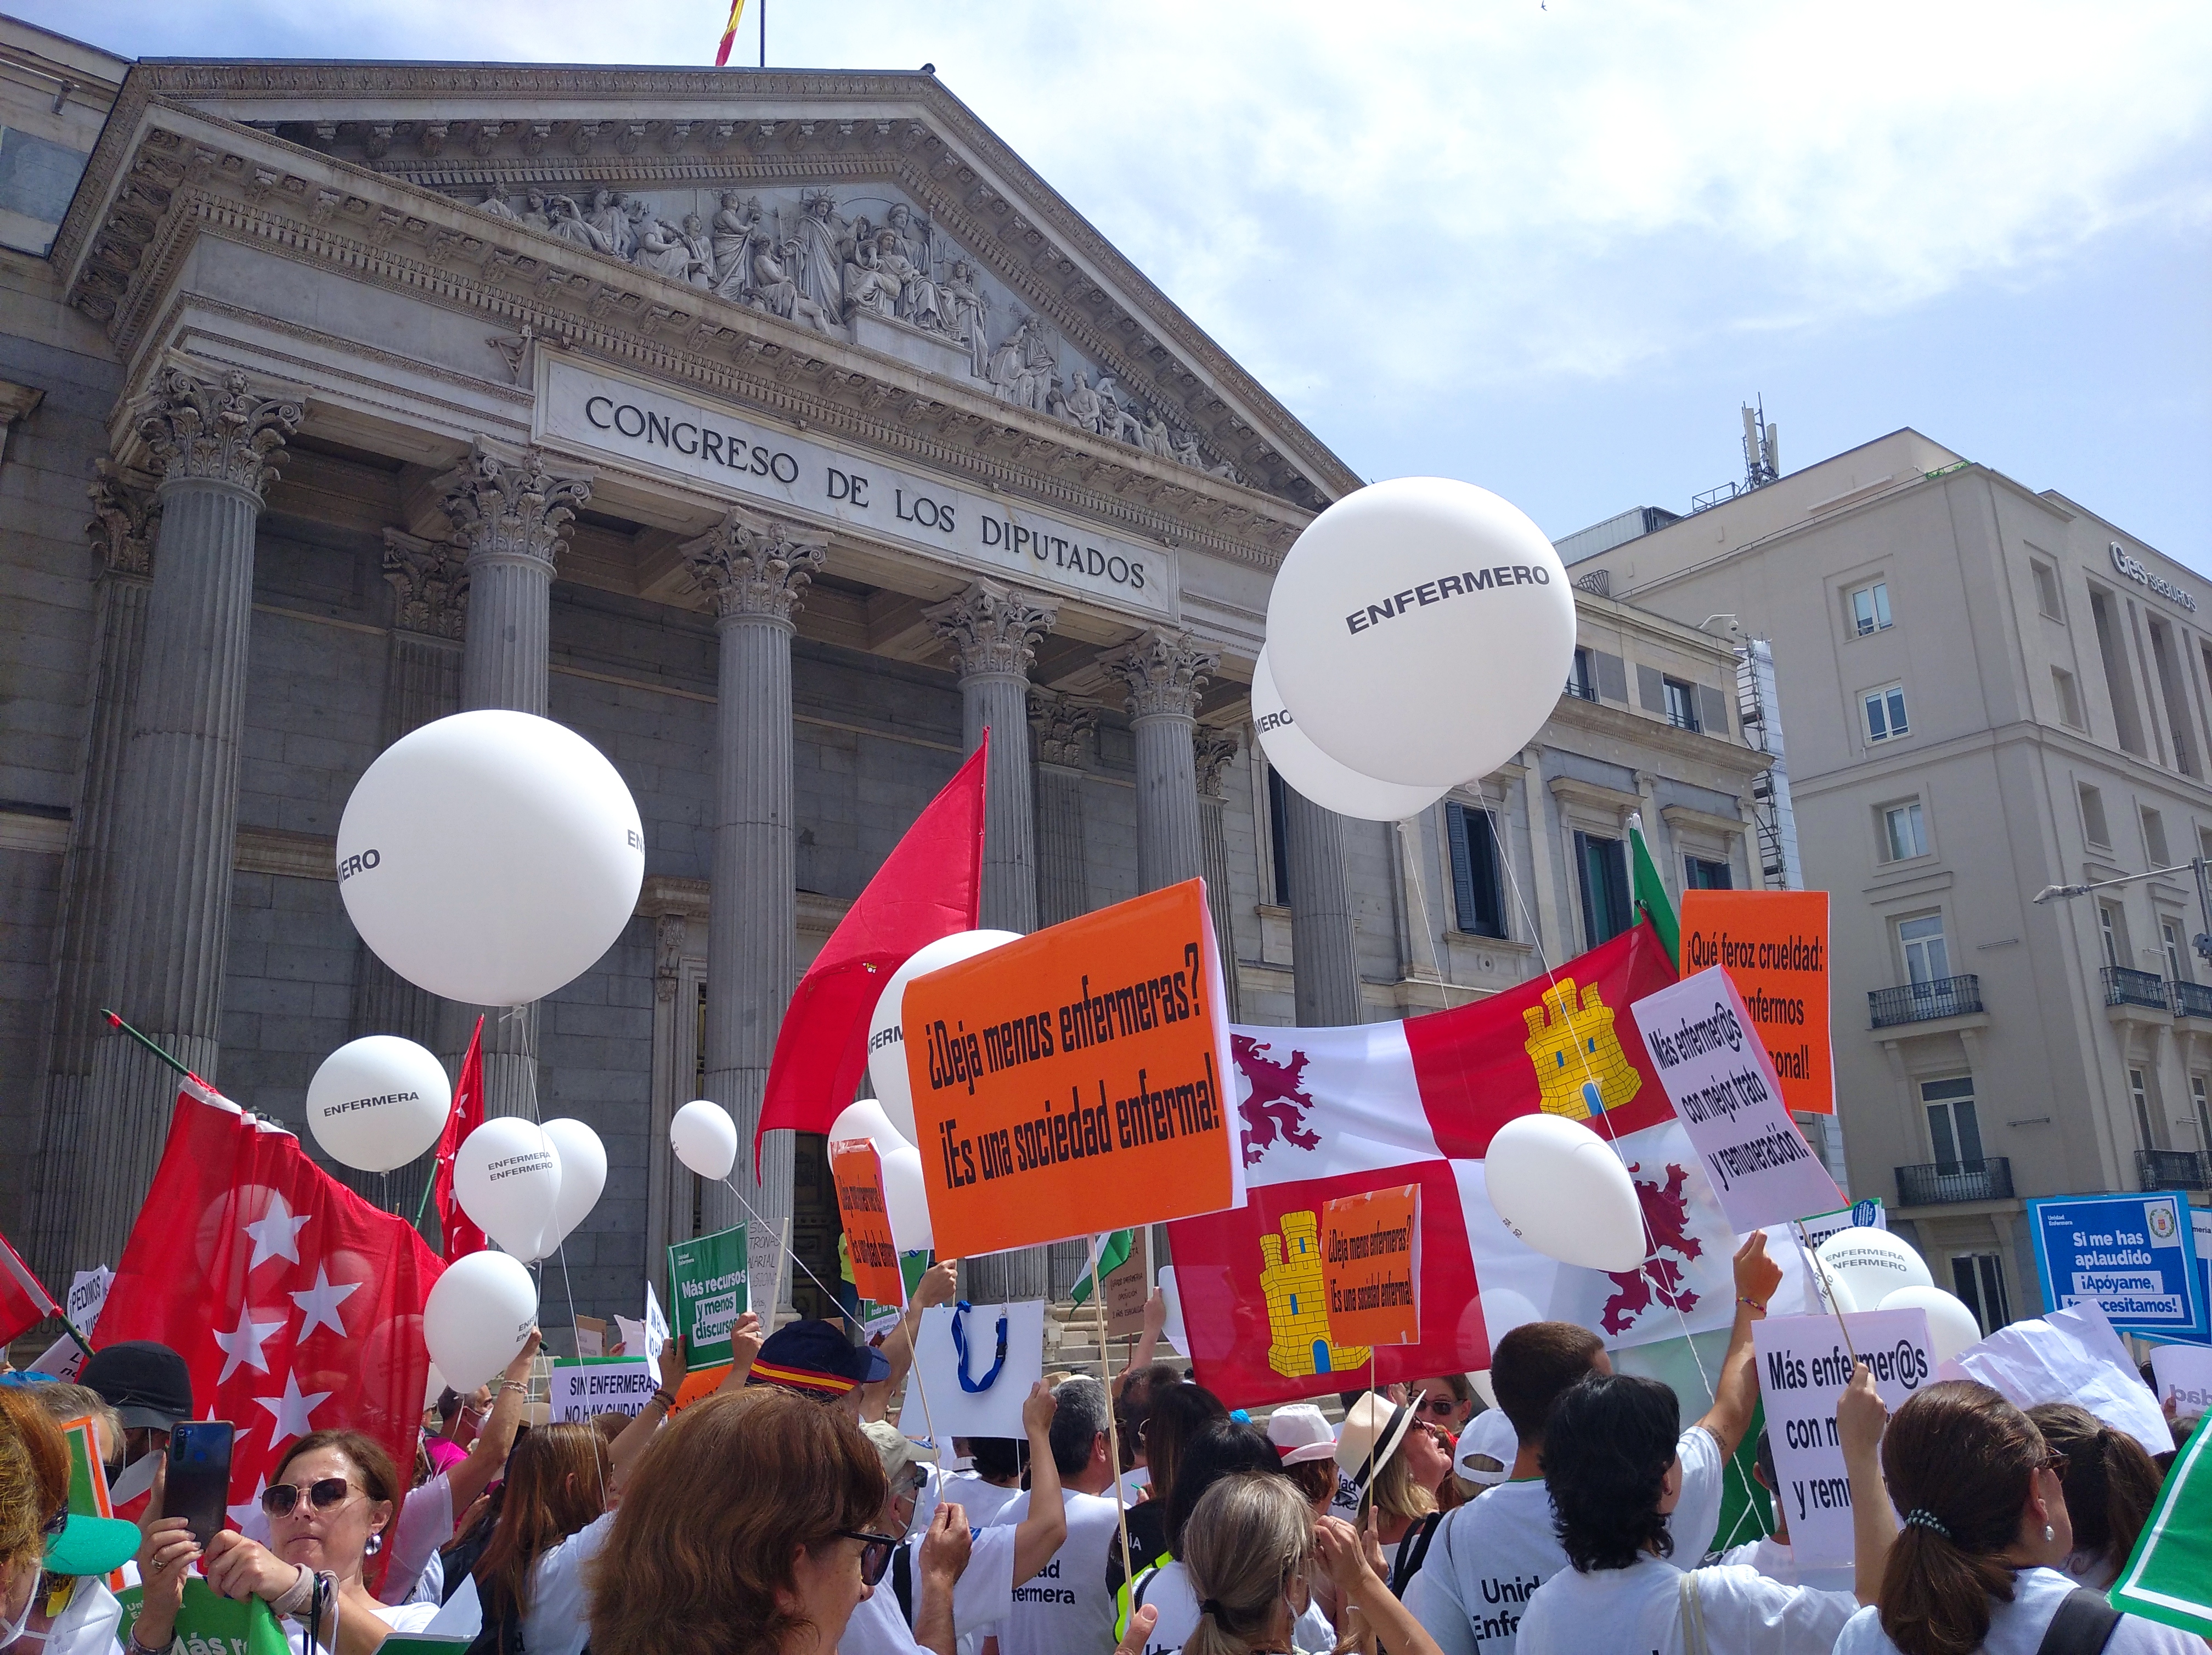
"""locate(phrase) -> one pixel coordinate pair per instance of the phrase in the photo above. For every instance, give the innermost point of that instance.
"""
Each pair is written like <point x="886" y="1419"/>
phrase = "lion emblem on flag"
<point x="1278" y="1101"/>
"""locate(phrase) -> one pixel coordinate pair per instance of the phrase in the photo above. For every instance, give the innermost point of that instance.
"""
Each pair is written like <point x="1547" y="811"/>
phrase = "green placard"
<point x="707" y="1294"/>
<point x="211" y="1624"/>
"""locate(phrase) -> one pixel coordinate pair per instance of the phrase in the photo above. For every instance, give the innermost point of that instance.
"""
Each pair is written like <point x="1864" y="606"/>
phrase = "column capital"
<point x="1062" y="727"/>
<point x="431" y="579"/>
<point x="1163" y="672"/>
<point x="124" y="517"/>
<point x="216" y="428"/>
<point x="755" y="566"/>
<point x="1212" y="749"/>
<point x="510" y="508"/>
<point x="990" y="627"/>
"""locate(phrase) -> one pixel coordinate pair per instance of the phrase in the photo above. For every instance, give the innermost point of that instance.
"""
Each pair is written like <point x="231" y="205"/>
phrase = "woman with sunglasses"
<point x="329" y="1505"/>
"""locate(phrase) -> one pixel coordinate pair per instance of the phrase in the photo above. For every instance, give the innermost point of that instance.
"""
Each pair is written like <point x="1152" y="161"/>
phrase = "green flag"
<point x="2169" y="1577"/>
<point x="1108" y="1255"/>
<point x="1650" y="892"/>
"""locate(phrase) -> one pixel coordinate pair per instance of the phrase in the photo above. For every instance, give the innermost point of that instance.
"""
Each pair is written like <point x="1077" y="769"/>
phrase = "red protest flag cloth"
<point x="295" y="1304"/>
<point x="24" y="1301"/>
<point x="928" y="887"/>
<point x="460" y="1231"/>
<point x="729" y="33"/>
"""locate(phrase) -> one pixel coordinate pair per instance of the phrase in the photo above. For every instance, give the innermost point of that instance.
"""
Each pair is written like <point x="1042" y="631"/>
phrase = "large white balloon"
<point x="1872" y="1264"/>
<point x="886" y="1028"/>
<point x="1421" y="630"/>
<point x="506" y="1176"/>
<point x="704" y="1138"/>
<point x="490" y="857"/>
<point x="477" y="1317"/>
<point x="378" y="1102"/>
<point x="867" y="1119"/>
<point x="1951" y="1326"/>
<point x="583" y="1175"/>
<point x="1315" y="774"/>
<point x="905" y="1199"/>
<point x="1562" y="1190"/>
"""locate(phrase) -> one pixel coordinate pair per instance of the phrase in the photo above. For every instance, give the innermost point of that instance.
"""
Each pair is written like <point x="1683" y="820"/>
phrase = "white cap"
<point x="1489" y="1434"/>
<point x="1300" y="1432"/>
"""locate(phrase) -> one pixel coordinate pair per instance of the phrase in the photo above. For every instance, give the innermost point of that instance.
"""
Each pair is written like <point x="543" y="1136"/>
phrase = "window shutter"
<point x="1650" y="689"/>
<point x="1612" y="677"/>
<point x="1462" y="868"/>
<point x="1712" y="709"/>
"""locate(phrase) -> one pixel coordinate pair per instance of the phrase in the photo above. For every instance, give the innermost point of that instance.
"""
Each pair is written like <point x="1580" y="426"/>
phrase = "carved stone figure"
<point x="568" y="223"/>
<point x="1114" y="418"/>
<point x="774" y="290"/>
<point x="1021" y="369"/>
<point x="605" y="214"/>
<point x="1082" y="407"/>
<point x="869" y="284"/>
<point x="820" y="264"/>
<point x="496" y="204"/>
<point x="535" y="212"/>
<point x="696" y="242"/>
<point x="1154" y="437"/>
<point x="965" y="305"/>
<point x="636" y="210"/>
<point x="735" y="226"/>
<point x="661" y="248"/>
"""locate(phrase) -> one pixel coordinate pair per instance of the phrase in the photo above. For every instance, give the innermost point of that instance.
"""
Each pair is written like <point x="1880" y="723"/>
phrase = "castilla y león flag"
<point x="296" y="1305"/>
<point x="1335" y="1111"/>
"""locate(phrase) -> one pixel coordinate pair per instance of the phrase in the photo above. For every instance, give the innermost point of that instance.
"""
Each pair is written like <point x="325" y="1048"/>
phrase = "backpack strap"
<point x="1412" y="1552"/>
<point x="902" y="1581"/>
<point x="2085" y="1623"/>
<point x="1691" y="1614"/>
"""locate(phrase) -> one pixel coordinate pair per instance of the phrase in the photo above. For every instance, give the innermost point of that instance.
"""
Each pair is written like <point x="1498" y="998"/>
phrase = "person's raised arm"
<point x="745" y="1342"/>
<point x="936" y="1287"/>
<point x="1735" y="1396"/>
<point x="944" y="1556"/>
<point x="1044" y="1530"/>
<point x="488" y="1455"/>
<point x="629" y="1442"/>
<point x="1861" y="1418"/>
<point x="1142" y="1353"/>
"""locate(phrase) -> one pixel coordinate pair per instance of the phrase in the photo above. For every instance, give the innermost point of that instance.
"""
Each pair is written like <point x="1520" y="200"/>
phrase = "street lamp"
<point x="2203" y="941"/>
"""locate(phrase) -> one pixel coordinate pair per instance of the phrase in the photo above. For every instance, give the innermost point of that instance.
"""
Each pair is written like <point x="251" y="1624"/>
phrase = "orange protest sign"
<point x="1077" y="1082"/>
<point x="1774" y="947"/>
<point x="858" y="1172"/>
<point x="1370" y="1262"/>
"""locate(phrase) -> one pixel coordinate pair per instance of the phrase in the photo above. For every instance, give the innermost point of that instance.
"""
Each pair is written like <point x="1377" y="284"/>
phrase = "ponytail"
<point x="2111" y="1482"/>
<point x="1250" y="1537"/>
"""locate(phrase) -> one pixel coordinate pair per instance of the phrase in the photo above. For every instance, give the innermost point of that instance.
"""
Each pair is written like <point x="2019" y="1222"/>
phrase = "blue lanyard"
<point x="960" y="1345"/>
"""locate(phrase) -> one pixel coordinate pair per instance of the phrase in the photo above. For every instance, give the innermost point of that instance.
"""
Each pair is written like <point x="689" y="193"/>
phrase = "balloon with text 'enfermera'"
<point x="887" y="1029"/>
<point x="490" y="857"/>
<point x="477" y="1317"/>
<point x="506" y="1176"/>
<point x="378" y="1102"/>
<point x="1872" y="1264"/>
<point x="1421" y="629"/>
<point x="1313" y="774"/>
<point x="1563" y="1191"/>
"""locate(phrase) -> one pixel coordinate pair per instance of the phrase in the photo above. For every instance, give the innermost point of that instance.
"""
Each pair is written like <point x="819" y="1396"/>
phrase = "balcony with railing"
<point x="2124" y="987"/>
<point x="2193" y="1000"/>
<point x="1939" y="1183"/>
<point x="1918" y="1002"/>
<point x="2172" y="1168"/>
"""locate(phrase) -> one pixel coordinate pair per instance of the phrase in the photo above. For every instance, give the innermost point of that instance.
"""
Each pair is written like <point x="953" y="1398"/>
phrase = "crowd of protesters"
<point x="785" y="1514"/>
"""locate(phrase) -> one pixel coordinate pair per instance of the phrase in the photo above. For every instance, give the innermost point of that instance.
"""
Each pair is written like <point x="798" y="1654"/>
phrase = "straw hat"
<point x="1374" y="1426"/>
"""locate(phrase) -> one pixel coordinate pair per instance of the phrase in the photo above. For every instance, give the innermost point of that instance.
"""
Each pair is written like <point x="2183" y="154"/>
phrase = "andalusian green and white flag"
<point x="2169" y="1577"/>
<point x="1650" y="892"/>
<point x="1108" y="1254"/>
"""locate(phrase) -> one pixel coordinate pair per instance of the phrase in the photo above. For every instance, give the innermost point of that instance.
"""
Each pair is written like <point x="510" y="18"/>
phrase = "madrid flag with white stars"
<point x="297" y="1305"/>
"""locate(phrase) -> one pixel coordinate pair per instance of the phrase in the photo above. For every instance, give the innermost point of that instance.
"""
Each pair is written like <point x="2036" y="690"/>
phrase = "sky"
<point x="1550" y="247"/>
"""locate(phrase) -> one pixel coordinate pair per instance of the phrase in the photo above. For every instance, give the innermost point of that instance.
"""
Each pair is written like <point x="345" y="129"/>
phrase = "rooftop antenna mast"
<point x="1762" y="452"/>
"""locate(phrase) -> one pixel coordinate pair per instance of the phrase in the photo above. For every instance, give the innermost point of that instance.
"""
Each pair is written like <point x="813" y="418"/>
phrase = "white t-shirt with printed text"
<point x="2017" y="1627"/>
<point x="1065" y="1605"/>
<point x="1637" y="1610"/>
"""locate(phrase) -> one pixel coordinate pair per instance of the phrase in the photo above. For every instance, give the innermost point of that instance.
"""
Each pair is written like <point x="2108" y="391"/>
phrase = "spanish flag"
<point x="729" y="32"/>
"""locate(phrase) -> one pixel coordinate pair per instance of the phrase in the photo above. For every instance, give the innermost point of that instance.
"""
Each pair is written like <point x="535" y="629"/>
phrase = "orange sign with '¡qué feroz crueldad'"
<point x="1774" y="947"/>
<point x="1078" y="1080"/>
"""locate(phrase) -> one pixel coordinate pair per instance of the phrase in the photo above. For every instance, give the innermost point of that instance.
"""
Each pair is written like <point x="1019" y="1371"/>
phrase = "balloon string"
<point x="788" y="1251"/>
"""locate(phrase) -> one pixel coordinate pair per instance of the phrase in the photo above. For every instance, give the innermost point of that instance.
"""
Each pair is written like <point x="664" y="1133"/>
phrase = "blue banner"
<point x="2133" y="1256"/>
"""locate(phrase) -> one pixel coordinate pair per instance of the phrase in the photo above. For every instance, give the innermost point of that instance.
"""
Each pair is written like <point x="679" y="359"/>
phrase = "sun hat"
<point x="1374" y="1426"/>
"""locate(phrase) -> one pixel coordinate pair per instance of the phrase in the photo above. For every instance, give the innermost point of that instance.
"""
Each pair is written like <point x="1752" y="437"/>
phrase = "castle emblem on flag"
<point x="1297" y="1313"/>
<point x="1581" y="1070"/>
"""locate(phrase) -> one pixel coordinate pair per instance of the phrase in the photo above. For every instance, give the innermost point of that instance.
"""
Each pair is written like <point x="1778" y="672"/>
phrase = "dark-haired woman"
<point x="2110" y="1482"/>
<point x="1976" y="1566"/>
<point x="1610" y="1467"/>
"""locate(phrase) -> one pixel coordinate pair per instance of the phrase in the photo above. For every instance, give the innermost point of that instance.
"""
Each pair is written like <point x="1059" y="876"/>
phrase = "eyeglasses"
<point x="875" y="1553"/>
<point x="56" y="1522"/>
<point x="279" y="1497"/>
<point x="1442" y="1407"/>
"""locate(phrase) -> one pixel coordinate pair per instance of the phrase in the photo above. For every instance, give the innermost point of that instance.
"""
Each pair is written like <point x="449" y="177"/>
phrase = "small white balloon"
<point x="583" y="1175"/>
<point x="477" y="1317"/>
<point x="886" y="1028"/>
<point x="1872" y="1264"/>
<point x="1951" y="1326"/>
<point x="1422" y="630"/>
<point x="1563" y="1191"/>
<point x="506" y="1176"/>
<point x="704" y="1138"/>
<point x="490" y="857"/>
<point x="867" y="1119"/>
<point x="377" y="1103"/>
<point x="905" y="1199"/>
<point x="1317" y="776"/>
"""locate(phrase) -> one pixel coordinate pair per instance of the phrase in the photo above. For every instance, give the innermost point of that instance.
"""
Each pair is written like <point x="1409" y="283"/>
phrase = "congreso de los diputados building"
<point x="776" y="430"/>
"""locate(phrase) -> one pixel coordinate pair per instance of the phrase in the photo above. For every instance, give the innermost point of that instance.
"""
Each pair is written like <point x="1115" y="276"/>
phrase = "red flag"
<point x="928" y="887"/>
<point x="461" y="1234"/>
<point x="295" y="1304"/>
<point x="24" y="1301"/>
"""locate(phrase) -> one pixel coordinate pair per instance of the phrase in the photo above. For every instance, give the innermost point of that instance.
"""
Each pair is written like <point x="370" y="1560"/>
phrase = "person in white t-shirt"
<point x="1065" y="1606"/>
<point x="1611" y="1468"/>
<point x="1487" y="1559"/>
<point x="2111" y="1484"/>
<point x="1977" y="1566"/>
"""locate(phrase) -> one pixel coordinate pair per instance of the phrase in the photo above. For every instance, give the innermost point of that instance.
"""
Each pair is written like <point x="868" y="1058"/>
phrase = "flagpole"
<point x="423" y="1206"/>
<point x="116" y="1022"/>
<point x="1106" y="1378"/>
<point x="763" y="33"/>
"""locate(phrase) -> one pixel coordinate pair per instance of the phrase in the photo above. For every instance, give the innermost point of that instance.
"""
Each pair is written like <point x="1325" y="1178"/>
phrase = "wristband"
<point x="138" y="1648"/>
<point x="294" y="1596"/>
<point x="1752" y="1303"/>
<point x="661" y="1395"/>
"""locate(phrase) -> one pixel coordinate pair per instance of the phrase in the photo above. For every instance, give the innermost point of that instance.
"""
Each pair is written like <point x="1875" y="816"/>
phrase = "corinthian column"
<point x="1325" y="965"/>
<point x="992" y="632"/>
<point x="1164" y="673"/>
<point x="509" y="514"/>
<point x="1212" y="752"/>
<point x="754" y="568"/>
<point x="214" y="443"/>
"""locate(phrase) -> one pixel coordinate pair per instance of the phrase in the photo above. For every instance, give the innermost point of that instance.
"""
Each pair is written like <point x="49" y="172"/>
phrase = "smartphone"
<point x="200" y="1476"/>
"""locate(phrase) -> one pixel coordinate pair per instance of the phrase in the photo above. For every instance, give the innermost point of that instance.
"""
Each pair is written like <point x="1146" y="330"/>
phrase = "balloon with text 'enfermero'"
<point x="1421" y="629"/>
<point x="1951" y="1326"/>
<point x="491" y="857"/>
<point x="378" y="1102"/>
<point x="886" y="1029"/>
<point x="1872" y="1264"/>
<point x="506" y="1176"/>
<point x="704" y="1138"/>
<point x="583" y="1175"/>
<point x="906" y="1200"/>
<point x="1562" y="1190"/>
<point x="478" y="1316"/>
<point x="1313" y="774"/>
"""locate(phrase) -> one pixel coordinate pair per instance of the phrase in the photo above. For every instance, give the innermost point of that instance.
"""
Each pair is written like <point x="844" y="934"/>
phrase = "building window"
<point x="1870" y="608"/>
<point x="1701" y="874"/>
<point x="1927" y="955"/>
<point x="1885" y="712"/>
<point x="2154" y="827"/>
<point x="1601" y="870"/>
<point x="2069" y="698"/>
<point x="1476" y="889"/>
<point x="2139" y="1095"/>
<point x="2165" y="661"/>
<point x="2111" y="931"/>
<point x="2119" y="682"/>
<point x="1278" y="834"/>
<point x="1979" y="1280"/>
<point x="2092" y="816"/>
<point x="2170" y="932"/>
<point x="1681" y="703"/>
<point x="1953" y="1126"/>
<point x="1904" y="830"/>
<point x="2046" y="591"/>
<point x="2204" y="1112"/>
<point x="1580" y="684"/>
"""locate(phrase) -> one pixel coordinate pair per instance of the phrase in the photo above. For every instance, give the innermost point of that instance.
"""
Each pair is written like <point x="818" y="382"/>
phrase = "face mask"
<point x="15" y="1629"/>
